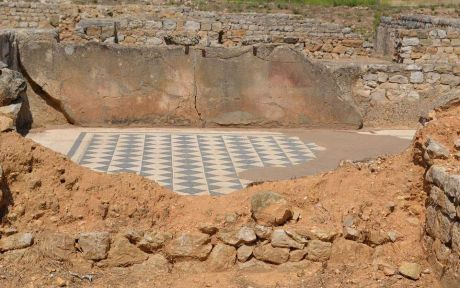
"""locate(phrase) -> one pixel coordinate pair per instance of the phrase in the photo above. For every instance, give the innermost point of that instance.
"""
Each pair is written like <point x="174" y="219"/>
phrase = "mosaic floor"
<point x="190" y="163"/>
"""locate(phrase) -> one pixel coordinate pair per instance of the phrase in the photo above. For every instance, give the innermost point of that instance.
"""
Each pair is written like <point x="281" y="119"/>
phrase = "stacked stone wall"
<point x="28" y="15"/>
<point x="412" y="82"/>
<point x="420" y="39"/>
<point x="443" y="223"/>
<point x="320" y="40"/>
<point x="156" y="25"/>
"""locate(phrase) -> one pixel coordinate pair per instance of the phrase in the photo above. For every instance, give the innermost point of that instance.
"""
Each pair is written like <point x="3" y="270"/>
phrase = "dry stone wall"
<point x="442" y="232"/>
<point x="28" y="15"/>
<point x="398" y="94"/>
<point x="425" y="69"/>
<point x="421" y="39"/>
<point x="156" y="25"/>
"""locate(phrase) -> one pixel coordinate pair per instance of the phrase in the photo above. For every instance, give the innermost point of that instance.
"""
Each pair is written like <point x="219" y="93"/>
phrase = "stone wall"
<point x="425" y="69"/>
<point x="421" y="39"/>
<point x="151" y="25"/>
<point x="437" y="149"/>
<point x="395" y="94"/>
<point x="443" y="222"/>
<point x="270" y="86"/>
<point x="28" y="15"/>
<point x="218" y="29"/>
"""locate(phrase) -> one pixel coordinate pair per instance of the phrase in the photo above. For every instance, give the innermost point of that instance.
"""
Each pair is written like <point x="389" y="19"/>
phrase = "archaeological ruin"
<point x="229" y="143"/>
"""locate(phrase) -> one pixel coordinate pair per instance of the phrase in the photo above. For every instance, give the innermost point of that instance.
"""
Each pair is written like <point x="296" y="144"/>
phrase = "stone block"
<point x="438" y="34"/>
<point x="456" y="70"/>
<point x="443" y="68"/>
<point x="413" y="96"/>
<point x="169" y="24"/>
<point x="222" y="257"/>
<point x="378" y="95"/>
<point x="410" y="41"/>
<point x="382" y="77"/>
<point x="271" y="254"/>
<point x="355" y="43"/>
<point x="456" y="238"/>
<point x="185" y="245"/>
<point x="443" y="228"/>
<point x="192" y="26"/>
<point x="206" y="26"/>
<point x="94" y="245"/>
<point x="398" y="79"/>
<point x="216" y="26"/>
<point x="16" y="241"/>
<point x="432" y="77"/>
<point x="439" y="198"/>
<point x="244" y="252"/>
<point x="413" y="67"/>
<point x="450" y="79"/>
<point x="152" y="24"/>
<point x="318" y="250"/>
<point x="416" y="77"/>
<point x="280" y="239"/>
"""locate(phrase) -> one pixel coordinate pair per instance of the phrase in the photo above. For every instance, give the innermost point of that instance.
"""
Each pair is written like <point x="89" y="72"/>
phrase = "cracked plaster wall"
<point x="267" y="86"/>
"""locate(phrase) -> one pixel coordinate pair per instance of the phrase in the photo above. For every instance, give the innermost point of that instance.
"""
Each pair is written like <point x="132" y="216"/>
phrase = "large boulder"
<point x="12" y="84"/>
<point x="270" y="208"/>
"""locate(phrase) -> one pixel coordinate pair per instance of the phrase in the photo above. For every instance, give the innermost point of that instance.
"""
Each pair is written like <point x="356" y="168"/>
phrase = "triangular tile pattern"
<point x="242" y="152"/>
<point x="218" y="167"/>
<point x="188" y="170"/>
<point x="193" y="163"/>
<point x="157" y="159"/>
<point x="295" y="149"/>
<point x="128" y="154"/>
<point x="99" y="152"/>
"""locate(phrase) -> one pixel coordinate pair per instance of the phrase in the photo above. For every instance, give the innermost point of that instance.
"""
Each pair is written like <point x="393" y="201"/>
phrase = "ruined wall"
<point x="425" y="68"/>
<point x="150" y="25"/>
<point x="443" y="222"/>
<point x="393" y="94"/>
<point x="442" y="183"/>
<point x="421" y="39"/>
<point x="28" y="14"/>
<point x="95" y="84"/>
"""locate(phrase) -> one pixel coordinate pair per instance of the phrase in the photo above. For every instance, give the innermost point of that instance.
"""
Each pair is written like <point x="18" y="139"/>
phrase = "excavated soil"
<point x="45" y="192"/>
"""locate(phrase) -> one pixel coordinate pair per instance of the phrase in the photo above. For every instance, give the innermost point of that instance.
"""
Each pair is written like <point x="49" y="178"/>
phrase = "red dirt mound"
<point x="44" y="193"/>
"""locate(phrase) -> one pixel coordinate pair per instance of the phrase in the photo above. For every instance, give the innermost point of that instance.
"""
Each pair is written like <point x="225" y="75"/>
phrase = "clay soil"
<point x="47" y="192"/>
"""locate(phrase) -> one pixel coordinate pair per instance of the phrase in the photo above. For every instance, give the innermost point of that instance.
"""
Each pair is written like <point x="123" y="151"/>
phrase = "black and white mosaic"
<point x="190" y="163"/>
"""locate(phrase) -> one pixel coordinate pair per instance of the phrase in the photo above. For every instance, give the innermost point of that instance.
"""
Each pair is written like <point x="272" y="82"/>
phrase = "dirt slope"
<point x="44" y="192"/>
